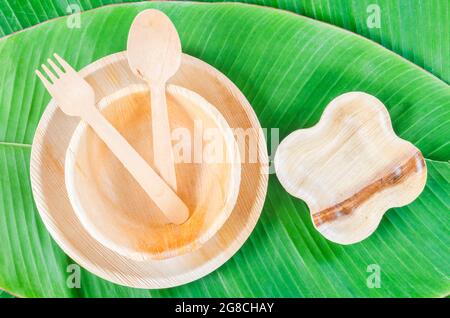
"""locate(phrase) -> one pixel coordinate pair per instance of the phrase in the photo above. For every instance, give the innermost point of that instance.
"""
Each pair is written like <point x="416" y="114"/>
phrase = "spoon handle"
<point x="163" y="196"/>
<point x="162" y="145"/>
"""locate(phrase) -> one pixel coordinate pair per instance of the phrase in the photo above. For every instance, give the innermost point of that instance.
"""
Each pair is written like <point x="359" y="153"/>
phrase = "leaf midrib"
<point x="21" y="145"/>
<point x="14" y="144"/>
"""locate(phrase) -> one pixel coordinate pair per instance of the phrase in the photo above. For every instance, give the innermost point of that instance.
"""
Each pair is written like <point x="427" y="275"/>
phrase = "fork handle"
<point x="156" y="188"/>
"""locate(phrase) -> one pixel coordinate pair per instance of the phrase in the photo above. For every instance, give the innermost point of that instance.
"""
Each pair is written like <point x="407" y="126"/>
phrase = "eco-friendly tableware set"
<point x="115" y="196"/>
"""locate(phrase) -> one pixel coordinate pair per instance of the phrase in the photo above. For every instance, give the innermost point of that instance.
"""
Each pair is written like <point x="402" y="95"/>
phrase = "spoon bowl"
<point x="154" y="47"/>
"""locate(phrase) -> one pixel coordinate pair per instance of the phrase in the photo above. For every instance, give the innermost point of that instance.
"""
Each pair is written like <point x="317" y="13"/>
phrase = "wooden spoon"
<point x="154" y="54"/>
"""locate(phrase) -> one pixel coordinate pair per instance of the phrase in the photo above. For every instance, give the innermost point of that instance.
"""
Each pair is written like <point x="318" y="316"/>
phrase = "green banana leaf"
<point x="289" y="67"/>
<point x="414" y="29"/>
<point x="16" y="15"/>
<point x="418" y="30"/>
<point x="4" y="294"/>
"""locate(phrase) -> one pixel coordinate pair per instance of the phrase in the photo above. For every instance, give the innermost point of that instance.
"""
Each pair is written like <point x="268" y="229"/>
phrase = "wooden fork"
<point x="76" y="97"/>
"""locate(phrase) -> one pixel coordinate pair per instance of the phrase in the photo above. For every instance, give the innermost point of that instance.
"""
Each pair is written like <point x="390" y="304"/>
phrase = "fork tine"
<point x="63" y="63"/>
<point x="49" y="73"/>
<point x="55" y="68"/>
<point x="46" y="83"/>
